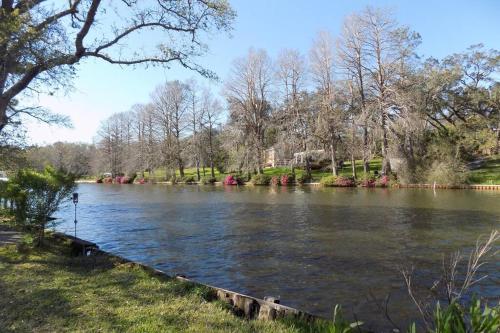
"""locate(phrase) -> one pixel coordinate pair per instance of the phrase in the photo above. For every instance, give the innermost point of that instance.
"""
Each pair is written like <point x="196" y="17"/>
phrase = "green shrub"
<point x="328" y="181"/>
<point x="40" y="195"/>
<point x="261" y="179"/>
<point x="188" y="179"/>
<point x="303" y="178"/>
<point x="447" y="172"/>
<point x="207" y="180"/>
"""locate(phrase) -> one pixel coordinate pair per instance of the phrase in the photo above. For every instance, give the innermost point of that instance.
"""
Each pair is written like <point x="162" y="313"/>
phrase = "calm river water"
<point x="312" y="247"/>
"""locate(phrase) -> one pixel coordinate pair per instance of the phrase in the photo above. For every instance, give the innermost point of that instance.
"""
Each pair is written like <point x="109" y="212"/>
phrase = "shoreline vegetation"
<point x="485" y="177"/>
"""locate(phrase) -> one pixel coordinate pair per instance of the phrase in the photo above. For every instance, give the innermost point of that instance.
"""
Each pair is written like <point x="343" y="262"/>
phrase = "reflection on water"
<point x="312" y="247"/>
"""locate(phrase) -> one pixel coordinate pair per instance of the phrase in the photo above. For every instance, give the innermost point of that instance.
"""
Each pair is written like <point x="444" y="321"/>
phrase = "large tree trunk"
<point x="353" y="166"/>
<point x="181" y="168"/>
<point x="334" y="160"/>
<point x="211" y="157"/>
<point x="259" y="155"/>
<point x="3" y="114"/>
<point x="198" y="168"/>
<point x="41" y="234"/>
<point x="386" y="165"/>
<point x="366" y="161"/>
<point x="353" y="160"/>
<point x="497" y="148"/>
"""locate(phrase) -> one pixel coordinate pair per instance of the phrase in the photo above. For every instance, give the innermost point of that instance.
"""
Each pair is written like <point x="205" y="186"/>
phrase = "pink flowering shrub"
<point x="285" y="180"/>
<point x="108" y="180"/>
<point x="142" y="181"/>
<point x="370" y="182"/>
<point x="275" y="180"/>
<point x="230" y="180"/>
<point x="367" y="180"/>
<point x="384" y="181"/>
<point x="344" y="182"/>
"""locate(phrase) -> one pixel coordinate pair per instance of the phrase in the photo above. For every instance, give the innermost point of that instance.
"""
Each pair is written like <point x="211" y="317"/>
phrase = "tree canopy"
<point x="42" y="41"/>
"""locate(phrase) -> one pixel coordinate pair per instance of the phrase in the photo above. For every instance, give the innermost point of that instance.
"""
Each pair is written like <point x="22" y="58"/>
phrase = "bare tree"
<point x="195" y="119"/>
<point x="247" y="91"/>
<point x="383" y="43"/>
<point x="352" y="59"/>
<point x="329" y="121"/>
<point x="295" y="119"/>
<point x="212" y="110"/>
<point x="171" y="102"/>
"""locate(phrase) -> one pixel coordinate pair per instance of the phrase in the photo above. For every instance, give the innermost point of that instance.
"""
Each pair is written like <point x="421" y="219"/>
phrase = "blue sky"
<point x="101" y="89"/>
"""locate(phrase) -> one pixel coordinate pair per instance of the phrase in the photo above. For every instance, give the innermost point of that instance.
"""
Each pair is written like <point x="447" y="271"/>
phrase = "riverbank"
<point x="49" y="290"/>
<point x="483" y="176"/>
<point x="315" y="184"/>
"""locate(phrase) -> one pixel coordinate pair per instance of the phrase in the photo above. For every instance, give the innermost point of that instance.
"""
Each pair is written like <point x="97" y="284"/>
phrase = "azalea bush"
<point x="287" y="179"/>
<point x="231" y="180"/>
<point x="367" y="180"/>
<point x="345" y="182"/>
<point x="383" y="181"/>
<point x="275" y="180"/>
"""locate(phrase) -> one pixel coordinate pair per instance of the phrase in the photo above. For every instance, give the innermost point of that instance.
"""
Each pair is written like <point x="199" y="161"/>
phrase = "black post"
<point x="75" y="201"/>
<point x="75" y="220"/>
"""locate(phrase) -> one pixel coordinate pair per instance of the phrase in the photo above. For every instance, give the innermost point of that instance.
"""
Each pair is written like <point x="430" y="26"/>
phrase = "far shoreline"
<point x="492" y="187"/>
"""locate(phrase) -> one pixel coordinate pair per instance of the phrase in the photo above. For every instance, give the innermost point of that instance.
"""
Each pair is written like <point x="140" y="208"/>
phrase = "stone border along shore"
<point x="242" y="305"/>
<point x="437" y="186"/>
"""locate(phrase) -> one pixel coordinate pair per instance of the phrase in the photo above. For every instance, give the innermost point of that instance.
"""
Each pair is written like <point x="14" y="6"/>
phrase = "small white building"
<point x="3" y="176"/>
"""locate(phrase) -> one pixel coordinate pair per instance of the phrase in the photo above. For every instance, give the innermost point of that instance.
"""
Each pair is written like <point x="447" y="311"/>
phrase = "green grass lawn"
<point x="159" y="174"/>
<point x="375" y="164"/>
<point x="488" y="174"/>
<point x="49" y="291"/>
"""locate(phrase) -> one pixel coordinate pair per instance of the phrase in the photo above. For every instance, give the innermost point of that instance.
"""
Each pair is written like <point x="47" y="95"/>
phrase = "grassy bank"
<point x="488" y="174"/>
<point x="50" y="291"/>
<point x="346" y="171"/>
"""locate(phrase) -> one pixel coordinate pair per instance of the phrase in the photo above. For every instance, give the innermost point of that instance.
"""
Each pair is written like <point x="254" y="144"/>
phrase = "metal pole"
<point x="75" y="220"/>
